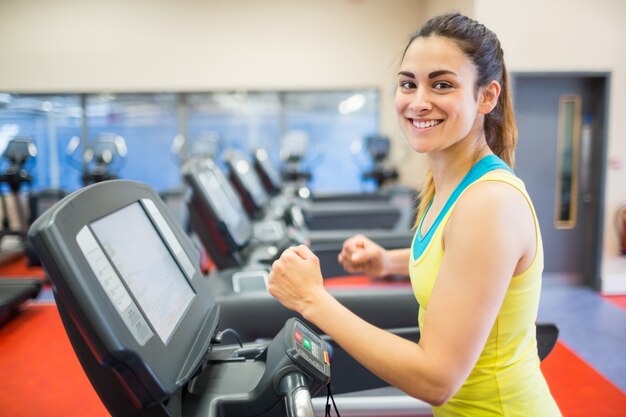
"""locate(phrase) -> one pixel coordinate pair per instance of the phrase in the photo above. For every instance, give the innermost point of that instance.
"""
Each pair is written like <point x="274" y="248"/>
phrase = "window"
<point x="567" y="164"/>
<point x="334" y="124"/>
<point x="148" y="123"/>
<point x="50" y="121"/>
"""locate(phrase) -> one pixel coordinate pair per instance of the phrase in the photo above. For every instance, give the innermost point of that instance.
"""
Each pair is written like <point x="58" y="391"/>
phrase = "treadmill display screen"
<point x="270" y="170"/>
<point x="146" y="266"/>
<point x="223" y="206"/>
<point x="256" y="188"/>
<point x="252" y="183"/>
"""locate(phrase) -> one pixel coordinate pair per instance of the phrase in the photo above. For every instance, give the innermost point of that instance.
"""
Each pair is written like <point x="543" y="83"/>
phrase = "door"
<point x="561" y="122"/>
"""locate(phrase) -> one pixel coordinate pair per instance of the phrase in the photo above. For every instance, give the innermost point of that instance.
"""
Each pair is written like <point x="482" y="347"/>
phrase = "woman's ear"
<point x="489" y="97"/>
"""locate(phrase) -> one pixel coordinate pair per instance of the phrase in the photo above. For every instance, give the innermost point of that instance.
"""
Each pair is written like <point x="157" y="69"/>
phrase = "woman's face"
<point x="436" y="101"/>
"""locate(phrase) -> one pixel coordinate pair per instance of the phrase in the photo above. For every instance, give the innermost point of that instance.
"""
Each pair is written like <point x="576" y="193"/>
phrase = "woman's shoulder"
<point x="492" y="217"/>
<point x="497" y="196"/>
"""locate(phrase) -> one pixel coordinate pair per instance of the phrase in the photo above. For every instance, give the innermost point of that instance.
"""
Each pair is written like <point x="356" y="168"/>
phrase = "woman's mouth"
<point x="425" y="124"/>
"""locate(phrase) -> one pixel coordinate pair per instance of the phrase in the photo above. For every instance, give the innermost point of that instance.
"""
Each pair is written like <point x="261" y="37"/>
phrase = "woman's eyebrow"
<point x="433" y="74"/>
<point x="436" y="74"/>
<point x="407" y="74"/>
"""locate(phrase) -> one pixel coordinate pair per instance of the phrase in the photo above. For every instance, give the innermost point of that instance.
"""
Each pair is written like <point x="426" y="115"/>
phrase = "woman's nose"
<point x="421" y="102"/>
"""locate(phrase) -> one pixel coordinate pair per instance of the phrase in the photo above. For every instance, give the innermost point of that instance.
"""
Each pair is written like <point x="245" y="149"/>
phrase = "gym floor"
<point x="592" y="326"/>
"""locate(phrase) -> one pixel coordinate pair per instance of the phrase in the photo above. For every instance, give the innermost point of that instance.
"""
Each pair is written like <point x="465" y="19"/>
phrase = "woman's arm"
<point x="360" y="254"/>
<point x="296" y="282"/>
<point x="485" y="240"/>
<point x="397" y="261"/>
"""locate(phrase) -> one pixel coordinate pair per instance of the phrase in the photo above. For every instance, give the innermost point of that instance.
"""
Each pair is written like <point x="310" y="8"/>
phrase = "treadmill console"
<point x="270" y="177"/>
<point x="128" y="288"/>
<point x="18" y="150"/>
<point x="307" y="350"/>
<point x="246" y="178"/>
<point x="215" y="213"/>
<point x="143" y="319"/>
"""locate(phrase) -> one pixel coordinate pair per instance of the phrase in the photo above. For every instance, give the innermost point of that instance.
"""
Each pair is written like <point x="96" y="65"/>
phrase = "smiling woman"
<point x="437" y="85"/>
<point x="476" y="259"/>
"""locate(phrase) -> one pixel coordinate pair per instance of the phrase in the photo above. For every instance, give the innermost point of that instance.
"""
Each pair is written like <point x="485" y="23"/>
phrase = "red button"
<point x="326" y="358"/>
<point x="298" y="336"/>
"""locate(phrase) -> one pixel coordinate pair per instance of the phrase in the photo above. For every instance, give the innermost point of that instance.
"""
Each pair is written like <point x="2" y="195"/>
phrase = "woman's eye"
<point x="441" y="85"/>
<point x="407" y="84"/>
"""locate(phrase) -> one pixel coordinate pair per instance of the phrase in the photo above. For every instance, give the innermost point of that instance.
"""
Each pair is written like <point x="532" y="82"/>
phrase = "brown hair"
<point x="483" y="49"/>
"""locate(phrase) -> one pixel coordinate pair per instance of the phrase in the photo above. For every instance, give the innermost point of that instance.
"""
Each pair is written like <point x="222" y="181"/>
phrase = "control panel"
<point x="307" y="350"/>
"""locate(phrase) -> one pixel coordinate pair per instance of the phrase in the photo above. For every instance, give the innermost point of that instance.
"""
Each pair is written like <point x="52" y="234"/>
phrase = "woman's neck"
<point x="450" y="165"/>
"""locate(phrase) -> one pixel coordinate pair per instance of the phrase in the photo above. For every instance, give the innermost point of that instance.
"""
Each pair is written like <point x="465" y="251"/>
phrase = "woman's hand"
<point x="360" y="254"/>
<point x="296" y="279"/>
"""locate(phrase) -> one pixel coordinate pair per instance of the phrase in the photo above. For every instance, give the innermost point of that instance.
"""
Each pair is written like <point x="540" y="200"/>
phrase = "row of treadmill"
<point x="14" y="175"/>
<point x="158" y="335"/>
<point x="98" y="162"/>
<point x="17" y="165"/>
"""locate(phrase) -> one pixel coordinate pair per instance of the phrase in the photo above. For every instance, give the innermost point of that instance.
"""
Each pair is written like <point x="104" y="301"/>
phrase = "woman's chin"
<point x="419" y="146"/>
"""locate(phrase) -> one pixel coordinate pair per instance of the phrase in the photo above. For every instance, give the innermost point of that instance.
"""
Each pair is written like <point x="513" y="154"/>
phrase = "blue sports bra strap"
<point x="483" y="166"/>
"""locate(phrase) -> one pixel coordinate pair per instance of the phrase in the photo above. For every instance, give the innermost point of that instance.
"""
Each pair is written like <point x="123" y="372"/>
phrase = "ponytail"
<point x="500" y="126"/>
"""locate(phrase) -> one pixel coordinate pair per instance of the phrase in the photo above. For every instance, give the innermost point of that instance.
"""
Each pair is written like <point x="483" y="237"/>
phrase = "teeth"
<point x="424" y="125"/>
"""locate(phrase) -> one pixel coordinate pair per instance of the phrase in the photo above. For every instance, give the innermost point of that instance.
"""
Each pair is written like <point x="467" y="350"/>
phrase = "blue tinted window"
<point x="148" y="123"/>
<point x="160" y="131"/>
<point x="336" y="124"/>
<point x="50" y="121"/>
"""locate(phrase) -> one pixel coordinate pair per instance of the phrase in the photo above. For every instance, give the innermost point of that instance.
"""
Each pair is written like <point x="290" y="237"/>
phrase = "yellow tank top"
<point x="506" y="380"/>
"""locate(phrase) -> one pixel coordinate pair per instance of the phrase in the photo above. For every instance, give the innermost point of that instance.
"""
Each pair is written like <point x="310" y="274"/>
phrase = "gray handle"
<point x="297" y="396"/>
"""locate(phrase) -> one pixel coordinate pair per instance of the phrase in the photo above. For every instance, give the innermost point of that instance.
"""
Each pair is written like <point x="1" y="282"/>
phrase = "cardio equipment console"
<point x="143" y="319"/>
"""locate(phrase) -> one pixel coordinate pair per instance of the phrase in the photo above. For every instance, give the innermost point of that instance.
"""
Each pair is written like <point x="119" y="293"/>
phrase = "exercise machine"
<point x="292" y="150"/>
<point x="378" y="147"/>
<point x="15" y="291"/>
<point x="144" y="324"/>
<point x="18" y="152"/>
<point x="398" y="196"/>
<point x="293" y="177"/>
<point x="316" y="215"/>
<point x="39" y="202"/>
<point x="232" y="239"/>
<point x="101" y="160"/>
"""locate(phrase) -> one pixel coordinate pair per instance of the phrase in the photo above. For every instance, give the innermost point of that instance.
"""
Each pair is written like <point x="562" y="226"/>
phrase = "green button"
<point x="307" y="343"/>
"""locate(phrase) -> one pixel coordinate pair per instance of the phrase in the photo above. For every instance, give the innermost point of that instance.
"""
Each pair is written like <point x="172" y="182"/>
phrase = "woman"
<point x="476" y="260"/>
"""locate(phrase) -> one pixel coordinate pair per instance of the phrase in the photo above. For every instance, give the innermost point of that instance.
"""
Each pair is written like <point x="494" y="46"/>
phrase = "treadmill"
<point x="15" y="291"/>
<point x="102" y="158"/>
<point x="378" y="146"/>
<point x="274" y="184"/>
<point x="147" y="326"/>
<point x="232" y="239"/>
<point x="100" y="161"/>
<point x="18" y="152"/>
<point x="327" y="215"/>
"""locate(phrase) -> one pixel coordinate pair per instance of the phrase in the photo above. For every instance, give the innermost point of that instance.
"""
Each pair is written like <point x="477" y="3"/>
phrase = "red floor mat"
<point x="40" y="375"/>
<point x="578" y="389"/>
<point x="618" y="300"/>
<point x="364" y="281"/>
<point x="18" y="267"/>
